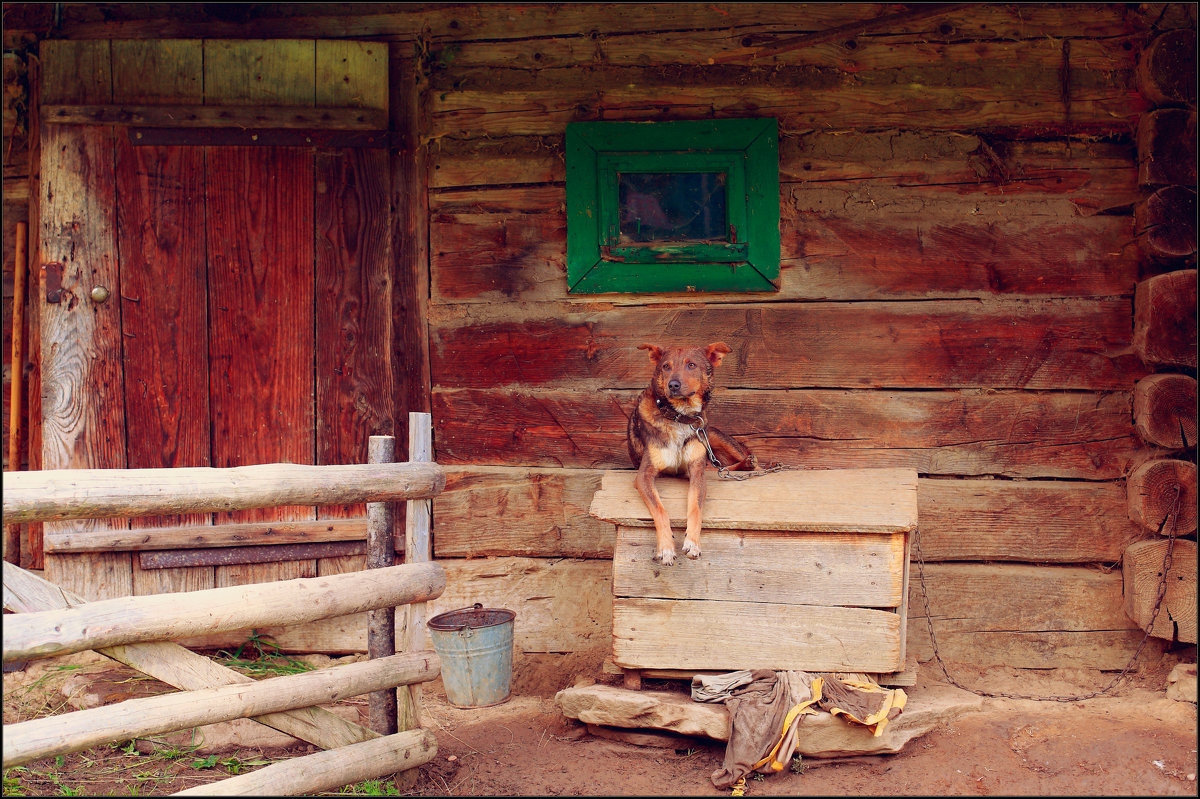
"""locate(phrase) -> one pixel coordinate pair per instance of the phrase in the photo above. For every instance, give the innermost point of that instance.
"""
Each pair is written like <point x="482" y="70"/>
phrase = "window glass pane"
<point x="671" y="206"/>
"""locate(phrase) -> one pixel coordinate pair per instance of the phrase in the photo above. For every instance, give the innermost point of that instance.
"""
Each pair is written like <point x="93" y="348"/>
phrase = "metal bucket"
<point x="475" y="645"/>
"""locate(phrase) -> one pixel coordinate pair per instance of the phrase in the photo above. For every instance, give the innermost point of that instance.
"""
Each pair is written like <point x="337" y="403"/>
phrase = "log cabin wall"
<point x="956" y="294"/>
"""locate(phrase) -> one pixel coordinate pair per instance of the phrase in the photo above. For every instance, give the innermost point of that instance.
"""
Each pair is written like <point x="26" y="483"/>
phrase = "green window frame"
<point x="743" y="152"/>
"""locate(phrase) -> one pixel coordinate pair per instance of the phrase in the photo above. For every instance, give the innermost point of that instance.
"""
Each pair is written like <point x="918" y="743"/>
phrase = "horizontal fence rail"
<point x="58" y="494"/>
<point x="130" y="619"/>
<point x="32" y="740"/>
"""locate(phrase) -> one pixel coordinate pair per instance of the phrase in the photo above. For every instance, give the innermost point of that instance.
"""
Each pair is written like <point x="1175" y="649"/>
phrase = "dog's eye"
<point x="691" y="365"/>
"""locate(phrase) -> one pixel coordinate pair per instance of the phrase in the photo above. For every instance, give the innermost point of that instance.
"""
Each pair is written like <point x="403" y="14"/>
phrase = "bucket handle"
<point x="467" y="630"/>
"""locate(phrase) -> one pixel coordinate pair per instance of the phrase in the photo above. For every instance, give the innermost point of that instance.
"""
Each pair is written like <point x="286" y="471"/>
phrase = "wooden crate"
<point x="800" y="570"/>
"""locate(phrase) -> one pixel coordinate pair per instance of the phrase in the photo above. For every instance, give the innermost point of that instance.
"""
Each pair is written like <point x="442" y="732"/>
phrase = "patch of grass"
<point x="370" y="788"/>
<point x="257" y="657"/>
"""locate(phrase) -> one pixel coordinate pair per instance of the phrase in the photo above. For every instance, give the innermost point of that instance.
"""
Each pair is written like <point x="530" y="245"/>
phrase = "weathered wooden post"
<point x="416" y="550"/>
<point x="381" y="623"/>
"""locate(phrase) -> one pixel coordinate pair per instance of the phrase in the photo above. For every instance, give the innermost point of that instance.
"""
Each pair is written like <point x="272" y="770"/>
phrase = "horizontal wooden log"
<point x="943" y="104"/>
<point x="269" y="553"/>
<point x="328" y="771"/>
<point x="1162" y="495"/>
<point x="99" y="493"/>
<point x="1166" y="223"/>
<point x="215" y="535"/>
<point x="1164" y="319"/>
<point x="139" y="718"/>
<point x="458" y="24"/>
<point x="1166" y="70"/>
<point x="1023" y="616"/>
<point x="487" y="256"/>
<point x="1069" y="435"/>
<point x="25" y="592"/>
<point x="1166" y="140"/>
<point x="543" y="512"/>
<point x="1164" y="410"/>
<point x="218" y="116"/>
<point x="124" y="620"/>
<point x="1077" y="344"/>
<point x="516" y="511"/>
<point x="1142" y="570"/>
<point x="730" y="635"/>
<point x="1038" y="521"/>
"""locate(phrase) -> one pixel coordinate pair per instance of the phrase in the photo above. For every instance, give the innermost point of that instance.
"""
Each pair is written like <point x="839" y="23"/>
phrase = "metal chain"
<point x="698" y="424"/>
<point x="1162" y="592"/>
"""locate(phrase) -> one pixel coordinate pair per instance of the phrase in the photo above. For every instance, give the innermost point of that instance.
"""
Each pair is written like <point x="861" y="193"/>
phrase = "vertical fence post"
<point x="381" y="623"/>
<point x="417" y="549"/>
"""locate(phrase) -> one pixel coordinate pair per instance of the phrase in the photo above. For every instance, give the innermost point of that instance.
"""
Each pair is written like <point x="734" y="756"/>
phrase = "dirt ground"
<point x="1137" y="743"/>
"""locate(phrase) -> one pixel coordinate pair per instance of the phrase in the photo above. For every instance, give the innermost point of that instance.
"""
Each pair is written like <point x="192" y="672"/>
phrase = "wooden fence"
<point x="137" y="631"/>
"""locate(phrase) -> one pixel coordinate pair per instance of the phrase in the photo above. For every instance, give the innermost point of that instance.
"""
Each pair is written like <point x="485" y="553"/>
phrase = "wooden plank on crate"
<point x="966" y="343"/>
<point x="1142" y="571"/>
<point x="164" y="292"/>
<point x="1023" y="616"/>
<point x="1069" y="435"/>
<point x="834" y="500"/>
<point x="216" y="116"/>
<point x="83" y="420"/>
<point x="25" y="592"/>
<point x="225" y="556"/>
<point x="659" y="633"/>
<point x="844" y="569"/>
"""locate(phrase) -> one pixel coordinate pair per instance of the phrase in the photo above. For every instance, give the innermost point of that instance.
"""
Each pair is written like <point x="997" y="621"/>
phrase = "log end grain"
<point x="1159" y="488"/>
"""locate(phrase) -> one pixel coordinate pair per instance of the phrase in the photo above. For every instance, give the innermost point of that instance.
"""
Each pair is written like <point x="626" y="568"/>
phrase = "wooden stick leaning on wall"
<point x="381" y="623"/>
<point x="417" y="549"/>
<point x="12" y="532"/>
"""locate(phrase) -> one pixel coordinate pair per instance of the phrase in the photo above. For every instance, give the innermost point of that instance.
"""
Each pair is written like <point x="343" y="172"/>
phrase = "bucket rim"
<point x="444" y="626"/>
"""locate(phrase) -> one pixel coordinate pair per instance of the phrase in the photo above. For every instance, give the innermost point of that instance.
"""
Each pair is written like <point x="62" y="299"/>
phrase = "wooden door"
<point x="248" y="311"/>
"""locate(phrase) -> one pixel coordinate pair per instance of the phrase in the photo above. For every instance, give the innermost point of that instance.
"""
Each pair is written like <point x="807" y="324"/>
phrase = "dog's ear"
<point x="716" y="352"/>
<point x="655" y="352"/>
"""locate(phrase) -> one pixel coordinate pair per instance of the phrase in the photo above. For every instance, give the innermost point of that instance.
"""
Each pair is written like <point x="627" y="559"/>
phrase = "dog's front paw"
<point x="691" y="549"/>
<point x="666" y="557"/>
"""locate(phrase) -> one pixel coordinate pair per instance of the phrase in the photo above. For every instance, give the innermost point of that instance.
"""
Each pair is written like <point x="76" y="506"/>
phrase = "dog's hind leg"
<point x="730" y="452"/>
<point x="665" y="544"/>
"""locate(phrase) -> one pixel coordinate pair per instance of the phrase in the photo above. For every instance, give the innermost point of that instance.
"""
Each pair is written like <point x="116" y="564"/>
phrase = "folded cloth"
<point x="862" y="702"/>
<point x="764" y="716"/>
<point x="715" y="687"/>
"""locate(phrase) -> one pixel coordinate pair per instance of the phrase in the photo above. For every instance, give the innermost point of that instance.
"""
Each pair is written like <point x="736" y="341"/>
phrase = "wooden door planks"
<point x="83" y="419"/>
<point x="164" y="291"/>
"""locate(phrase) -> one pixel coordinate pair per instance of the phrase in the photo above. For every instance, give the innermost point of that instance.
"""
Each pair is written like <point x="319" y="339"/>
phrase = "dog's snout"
<point x="674" y="384"/>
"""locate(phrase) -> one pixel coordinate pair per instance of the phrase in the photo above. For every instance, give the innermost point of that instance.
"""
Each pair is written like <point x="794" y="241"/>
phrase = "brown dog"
<point x="665" y="432"/>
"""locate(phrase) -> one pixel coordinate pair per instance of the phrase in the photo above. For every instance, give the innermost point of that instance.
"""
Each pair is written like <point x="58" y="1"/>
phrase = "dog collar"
<point x="663" y="405"/>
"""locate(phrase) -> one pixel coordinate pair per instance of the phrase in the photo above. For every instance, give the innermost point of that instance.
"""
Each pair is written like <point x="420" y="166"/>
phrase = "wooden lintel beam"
<point x="207" y="536"/>
<point x="848" y="31"/>
<point x="288" y="117"/>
